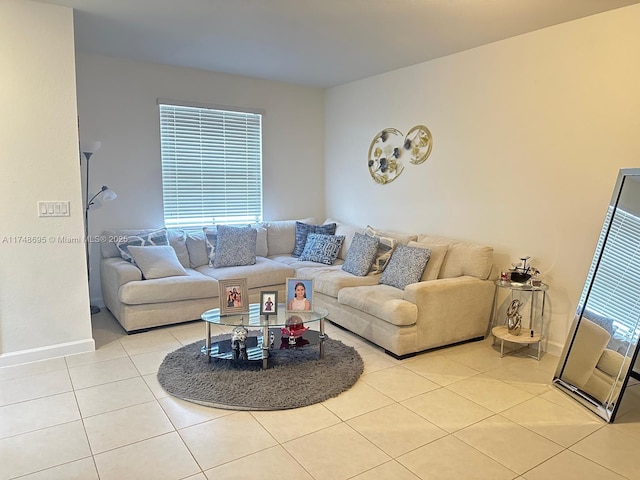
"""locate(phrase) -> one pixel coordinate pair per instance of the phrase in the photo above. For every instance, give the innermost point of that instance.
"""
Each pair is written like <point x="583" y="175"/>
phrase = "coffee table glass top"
<point x="254" y="319"/>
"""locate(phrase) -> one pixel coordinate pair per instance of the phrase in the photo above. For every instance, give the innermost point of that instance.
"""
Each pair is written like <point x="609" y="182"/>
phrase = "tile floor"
<point x="456" y="413"/>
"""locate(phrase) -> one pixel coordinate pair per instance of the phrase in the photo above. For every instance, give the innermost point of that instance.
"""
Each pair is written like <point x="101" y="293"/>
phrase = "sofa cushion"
<point x="322" y="248"/>
<point x="348" y="231"/>
<point x="381" y="301"/>
<point x="196" y="246"/>
<point x="178" y="240"/>
<point x="157" y="261"/>
<point x="157" y="237"/>
<point x="110" y="239"/>
<point x="235" y="246"/>
<point x="361" y="254"/>
<point x="329" y="280"/>
<point x="298" y="264"/>
<point x="304" y="229"/>
<point x="261" y="240"/>
<point x="194" y="285"/>
<point x="406" y="266"/>
<point x="438" y="252"/>
<point x="264" y="273"/>
<point x="281" y="235"/>
<point x="403" y="238"/>
<point x="463" y="258"/>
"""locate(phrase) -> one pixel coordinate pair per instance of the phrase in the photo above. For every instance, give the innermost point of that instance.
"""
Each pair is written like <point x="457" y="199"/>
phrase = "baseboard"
<point x="48" y="352"/>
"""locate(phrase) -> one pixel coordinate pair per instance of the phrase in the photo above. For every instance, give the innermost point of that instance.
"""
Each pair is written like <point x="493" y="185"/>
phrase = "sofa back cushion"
<point x="462" y="258"/>
<point x="176" y="237"/>
<point x="348" y="232"/>
<point x="281" y="235"/>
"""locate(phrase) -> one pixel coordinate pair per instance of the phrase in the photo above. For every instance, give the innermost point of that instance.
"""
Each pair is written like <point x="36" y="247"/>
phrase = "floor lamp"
<point x="106" y="194"/>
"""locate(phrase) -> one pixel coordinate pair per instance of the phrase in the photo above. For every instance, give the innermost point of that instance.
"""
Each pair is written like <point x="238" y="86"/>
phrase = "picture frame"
<point x="269" y="302"/>
<point x="234" y="296"/>
<point x="304" y="304"/>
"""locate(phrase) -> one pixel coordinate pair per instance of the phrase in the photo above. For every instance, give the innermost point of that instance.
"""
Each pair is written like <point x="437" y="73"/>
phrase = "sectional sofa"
<point x="449" y="301"/>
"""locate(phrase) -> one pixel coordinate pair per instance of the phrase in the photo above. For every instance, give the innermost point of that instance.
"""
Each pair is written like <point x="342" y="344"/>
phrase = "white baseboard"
<point x="48" y="352"/>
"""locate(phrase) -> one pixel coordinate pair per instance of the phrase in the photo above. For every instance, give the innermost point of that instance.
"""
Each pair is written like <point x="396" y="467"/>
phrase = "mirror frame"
<point x="604" y="410"/>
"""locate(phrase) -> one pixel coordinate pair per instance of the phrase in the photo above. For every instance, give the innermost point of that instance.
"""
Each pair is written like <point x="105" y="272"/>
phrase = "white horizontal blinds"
<point x="211" y="166"/>
<point x="616" y="291"/>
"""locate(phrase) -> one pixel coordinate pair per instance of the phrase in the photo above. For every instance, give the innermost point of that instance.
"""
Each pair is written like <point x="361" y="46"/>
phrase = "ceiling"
<point x="319" y="43"/>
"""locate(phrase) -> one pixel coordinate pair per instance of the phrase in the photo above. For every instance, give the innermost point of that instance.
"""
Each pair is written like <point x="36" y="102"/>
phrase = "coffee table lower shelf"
<point x="526" y="339"/>
<point x="255" y="351"/>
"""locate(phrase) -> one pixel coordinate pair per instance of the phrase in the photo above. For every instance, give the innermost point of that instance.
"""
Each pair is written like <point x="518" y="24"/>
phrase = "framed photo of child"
<point x="269" y="303"/>
<point x="234" y="296"/>
<point x="299" y="295"/>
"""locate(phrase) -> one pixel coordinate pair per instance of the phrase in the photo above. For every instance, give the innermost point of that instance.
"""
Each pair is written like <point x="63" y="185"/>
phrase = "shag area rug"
<point x="295" y="377"/>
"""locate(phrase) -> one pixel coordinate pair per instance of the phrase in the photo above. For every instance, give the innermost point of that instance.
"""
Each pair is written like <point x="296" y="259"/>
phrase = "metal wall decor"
<point x="389" y="145"/>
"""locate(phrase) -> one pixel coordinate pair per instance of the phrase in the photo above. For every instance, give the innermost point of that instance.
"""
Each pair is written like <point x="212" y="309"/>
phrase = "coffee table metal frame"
<point x="254" y="319"/>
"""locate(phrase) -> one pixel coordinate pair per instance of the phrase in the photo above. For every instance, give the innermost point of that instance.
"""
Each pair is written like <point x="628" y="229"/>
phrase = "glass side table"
<point x="532" y="335"/>
<point x="257" y="348"/>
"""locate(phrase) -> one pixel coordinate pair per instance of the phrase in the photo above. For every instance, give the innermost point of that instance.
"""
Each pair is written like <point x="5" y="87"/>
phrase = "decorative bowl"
<point x="520" y="277"/>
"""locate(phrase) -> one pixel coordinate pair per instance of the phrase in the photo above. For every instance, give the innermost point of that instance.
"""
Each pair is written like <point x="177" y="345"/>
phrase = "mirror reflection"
<point x="602" y="344"/>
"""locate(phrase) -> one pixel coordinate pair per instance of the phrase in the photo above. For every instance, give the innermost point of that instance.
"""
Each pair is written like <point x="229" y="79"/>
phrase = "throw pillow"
<point x="322" y="248"/>
<point x="235" y="246"/>
<point x="157" y="261"/>
<point x="210" y="238"/>
<point x="304" y="229"/>
<point x="158" y="237"/>
<point x="197" y="248"/>
<point x="386" y="245"/>
<point x="361" y="254"/>
<point x="406" y="266"/>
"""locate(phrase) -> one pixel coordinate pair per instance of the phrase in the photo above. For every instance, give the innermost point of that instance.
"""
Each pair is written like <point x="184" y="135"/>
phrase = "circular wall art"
<point x="384" y="154"/>
<point x="387" y="148"/>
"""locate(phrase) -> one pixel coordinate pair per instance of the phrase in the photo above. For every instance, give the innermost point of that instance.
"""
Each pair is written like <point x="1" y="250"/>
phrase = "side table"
<point x="532" y="335"/>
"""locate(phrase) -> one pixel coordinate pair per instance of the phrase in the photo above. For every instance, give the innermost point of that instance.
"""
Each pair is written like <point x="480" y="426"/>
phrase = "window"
<point x="614" y="293"/>
<point x="211" y="165"/>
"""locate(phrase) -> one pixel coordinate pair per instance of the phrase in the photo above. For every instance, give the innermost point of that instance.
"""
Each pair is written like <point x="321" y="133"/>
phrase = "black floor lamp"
<point x="106" y="194"/>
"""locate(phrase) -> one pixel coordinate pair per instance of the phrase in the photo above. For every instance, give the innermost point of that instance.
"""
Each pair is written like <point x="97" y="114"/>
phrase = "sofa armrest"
<point x="115" y="272"/>
<point x="451" y="309"/>
<point x="611" y="361"/>
<point x="449" y="291"/>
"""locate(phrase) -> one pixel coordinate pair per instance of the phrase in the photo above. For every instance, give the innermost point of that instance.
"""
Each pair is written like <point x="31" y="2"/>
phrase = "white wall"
<point x="529" y="135"/>
<point x="117" y="104"/>
<point x="44" y="308"/>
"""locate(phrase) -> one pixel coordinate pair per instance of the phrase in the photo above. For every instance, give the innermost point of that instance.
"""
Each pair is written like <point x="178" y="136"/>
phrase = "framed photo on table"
<point x="299" y="295"/>
<point x="269" y="303"/>
<point x="234" y="296"/>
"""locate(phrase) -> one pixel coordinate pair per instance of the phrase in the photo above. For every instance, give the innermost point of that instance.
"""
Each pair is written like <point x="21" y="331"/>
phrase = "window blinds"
<point x="614" y="294"/>
<point x="211" y="165"/>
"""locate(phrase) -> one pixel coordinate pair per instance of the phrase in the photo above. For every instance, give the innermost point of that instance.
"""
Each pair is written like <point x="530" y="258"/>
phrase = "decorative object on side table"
<point x="293" y="328"/>
<point x="521" y="272"/>
<point x="514" y="319"/>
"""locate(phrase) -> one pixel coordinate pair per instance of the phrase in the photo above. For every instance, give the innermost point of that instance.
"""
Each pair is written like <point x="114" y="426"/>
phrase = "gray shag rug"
<point x="295" y="378"/>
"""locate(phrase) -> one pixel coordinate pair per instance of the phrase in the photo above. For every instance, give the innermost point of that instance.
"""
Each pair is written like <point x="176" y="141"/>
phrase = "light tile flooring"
<point x="457" y="413"/>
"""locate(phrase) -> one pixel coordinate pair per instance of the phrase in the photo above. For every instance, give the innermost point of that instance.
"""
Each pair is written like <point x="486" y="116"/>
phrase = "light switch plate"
<point x="54" y="209"/>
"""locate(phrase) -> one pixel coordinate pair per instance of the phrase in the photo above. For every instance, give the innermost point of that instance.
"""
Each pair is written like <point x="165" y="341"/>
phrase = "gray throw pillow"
<point x="158" y="237"/>
<point x="157" y="261"/>
<point x="235" y="246"/>
<point x="405" y="266"/>
<point x="361" y="253"/>
<point x="304" y="229"/>
<point x="322" y="248"/>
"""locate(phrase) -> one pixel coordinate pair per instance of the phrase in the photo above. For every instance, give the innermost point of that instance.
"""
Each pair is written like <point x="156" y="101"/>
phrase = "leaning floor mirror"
<point x="601" y="349"/>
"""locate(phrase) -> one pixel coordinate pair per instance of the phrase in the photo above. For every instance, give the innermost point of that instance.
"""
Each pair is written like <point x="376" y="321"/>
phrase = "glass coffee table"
<point x="243" y="347"/>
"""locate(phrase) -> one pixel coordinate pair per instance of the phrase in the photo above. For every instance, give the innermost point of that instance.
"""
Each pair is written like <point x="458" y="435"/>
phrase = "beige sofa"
<point x="451" y="303"/>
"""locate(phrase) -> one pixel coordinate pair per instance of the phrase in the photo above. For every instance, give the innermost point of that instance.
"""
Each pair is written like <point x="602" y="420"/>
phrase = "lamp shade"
<point x="90" y="147"/>
<point x="108" y="194"/>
